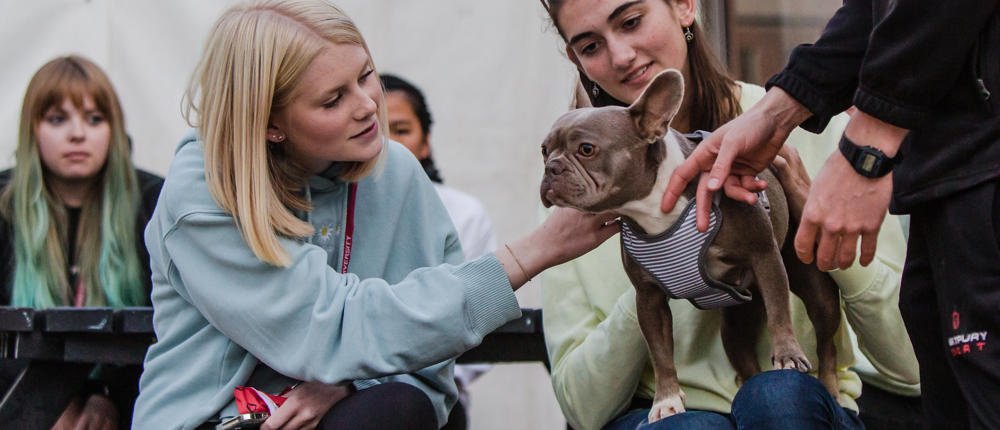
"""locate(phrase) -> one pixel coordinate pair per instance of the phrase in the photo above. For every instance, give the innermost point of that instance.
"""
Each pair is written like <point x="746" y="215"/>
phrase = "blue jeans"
<point x="778" y="399"/>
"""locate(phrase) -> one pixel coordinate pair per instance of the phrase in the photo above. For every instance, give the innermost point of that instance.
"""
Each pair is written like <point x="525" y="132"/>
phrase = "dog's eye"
<point x="545" y="152"/>
<point x="587" y="149"/>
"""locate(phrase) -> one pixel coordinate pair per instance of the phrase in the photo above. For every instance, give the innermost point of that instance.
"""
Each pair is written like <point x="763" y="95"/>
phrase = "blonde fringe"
<point x="249" y="67"/>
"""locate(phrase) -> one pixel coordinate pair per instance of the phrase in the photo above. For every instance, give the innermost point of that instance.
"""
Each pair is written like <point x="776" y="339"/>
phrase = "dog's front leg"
<point x="656" y="323"/>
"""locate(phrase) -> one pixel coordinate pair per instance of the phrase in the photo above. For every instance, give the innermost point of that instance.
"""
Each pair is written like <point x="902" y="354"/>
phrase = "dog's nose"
<point x="554" y="167"/>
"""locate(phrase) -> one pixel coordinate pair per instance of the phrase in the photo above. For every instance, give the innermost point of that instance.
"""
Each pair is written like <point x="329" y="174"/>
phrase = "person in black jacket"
<point x="72" y="215"/>
<point x="924" y="77"/>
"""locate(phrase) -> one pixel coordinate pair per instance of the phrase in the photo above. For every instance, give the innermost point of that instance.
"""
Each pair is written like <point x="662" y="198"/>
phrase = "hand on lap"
<point x="306" y="405"/>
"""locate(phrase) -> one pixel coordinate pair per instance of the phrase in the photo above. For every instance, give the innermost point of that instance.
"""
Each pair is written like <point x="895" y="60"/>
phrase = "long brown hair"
<point x="110" y="270"/>
<point x="714" y="100"/>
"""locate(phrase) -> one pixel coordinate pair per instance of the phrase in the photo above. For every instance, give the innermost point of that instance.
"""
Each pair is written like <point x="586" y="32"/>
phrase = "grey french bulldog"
<point x="619" y="160"/>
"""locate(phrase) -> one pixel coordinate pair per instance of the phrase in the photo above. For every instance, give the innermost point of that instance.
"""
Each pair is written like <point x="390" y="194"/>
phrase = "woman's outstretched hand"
<point x="565" y="235"/>
<point x="736" y="152"/>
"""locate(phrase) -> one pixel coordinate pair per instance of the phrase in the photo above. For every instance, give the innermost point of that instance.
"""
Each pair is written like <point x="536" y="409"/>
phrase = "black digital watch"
<point x="868" y="161"/>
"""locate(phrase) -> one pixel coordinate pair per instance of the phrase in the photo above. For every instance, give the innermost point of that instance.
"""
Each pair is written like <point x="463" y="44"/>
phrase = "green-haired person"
<point x="72" y="211"/>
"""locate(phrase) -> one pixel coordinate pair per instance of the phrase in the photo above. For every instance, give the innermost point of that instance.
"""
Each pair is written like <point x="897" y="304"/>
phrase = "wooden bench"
<point x="62" y="344"/>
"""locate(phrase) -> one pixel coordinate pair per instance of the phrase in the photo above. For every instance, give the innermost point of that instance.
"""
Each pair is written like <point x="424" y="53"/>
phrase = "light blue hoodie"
<point x="223" y="318"/>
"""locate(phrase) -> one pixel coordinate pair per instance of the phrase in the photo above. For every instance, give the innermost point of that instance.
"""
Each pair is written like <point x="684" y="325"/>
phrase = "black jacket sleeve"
<point x="915" y="56"/>
<point x="893" y="60"/>
<point x="824" y="76"/>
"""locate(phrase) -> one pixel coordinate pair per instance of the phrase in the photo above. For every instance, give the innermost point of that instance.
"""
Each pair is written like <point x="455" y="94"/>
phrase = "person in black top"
<point x="72" y="215"/>
<point x="924" y="77"/>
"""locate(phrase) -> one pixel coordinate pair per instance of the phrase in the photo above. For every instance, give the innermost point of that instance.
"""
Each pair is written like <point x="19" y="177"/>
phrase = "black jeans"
<point x="389" y="406"/>
<point x="950" y="302"/>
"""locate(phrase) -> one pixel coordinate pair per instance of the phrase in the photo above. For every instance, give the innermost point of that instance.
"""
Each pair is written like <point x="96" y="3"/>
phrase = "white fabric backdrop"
<point x="493" y="72"/>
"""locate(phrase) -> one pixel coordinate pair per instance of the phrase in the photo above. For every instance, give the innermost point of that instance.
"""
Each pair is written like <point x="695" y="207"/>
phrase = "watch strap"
<point x="868" y="161"/>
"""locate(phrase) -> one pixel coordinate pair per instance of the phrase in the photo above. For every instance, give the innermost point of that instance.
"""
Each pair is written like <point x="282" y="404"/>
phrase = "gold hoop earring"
<point x="688" y="34"/>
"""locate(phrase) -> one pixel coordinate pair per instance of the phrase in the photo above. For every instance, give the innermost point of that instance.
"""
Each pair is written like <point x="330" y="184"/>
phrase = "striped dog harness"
<point x="676" y="258"/>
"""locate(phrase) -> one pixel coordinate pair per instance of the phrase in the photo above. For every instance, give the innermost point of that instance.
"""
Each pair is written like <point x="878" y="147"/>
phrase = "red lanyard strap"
<point x="349" y="227"/>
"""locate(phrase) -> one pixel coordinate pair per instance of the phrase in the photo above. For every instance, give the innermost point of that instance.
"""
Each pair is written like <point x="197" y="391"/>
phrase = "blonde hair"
<point x="250" y="68"/>
<point x="110" y="270"/>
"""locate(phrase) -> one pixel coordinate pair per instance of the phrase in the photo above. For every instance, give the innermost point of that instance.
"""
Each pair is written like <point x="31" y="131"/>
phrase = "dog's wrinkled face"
<point x="583" y="162"/>
<point x="597" y="159"/>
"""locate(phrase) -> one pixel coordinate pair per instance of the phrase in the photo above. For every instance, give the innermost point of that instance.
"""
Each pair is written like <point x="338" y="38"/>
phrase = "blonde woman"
<point x="294" y="246"/>
<point x="72" y="212"/>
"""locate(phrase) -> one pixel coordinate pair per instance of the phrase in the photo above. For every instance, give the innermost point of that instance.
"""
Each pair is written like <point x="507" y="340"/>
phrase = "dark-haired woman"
<point x="590" y="317"/>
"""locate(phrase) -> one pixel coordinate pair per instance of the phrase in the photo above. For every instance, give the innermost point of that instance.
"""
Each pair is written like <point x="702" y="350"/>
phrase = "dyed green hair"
<point x="105" y="244"/>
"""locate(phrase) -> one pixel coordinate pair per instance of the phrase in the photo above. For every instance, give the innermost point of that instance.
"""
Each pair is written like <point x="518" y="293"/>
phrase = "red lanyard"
<point x="349" y="227"/>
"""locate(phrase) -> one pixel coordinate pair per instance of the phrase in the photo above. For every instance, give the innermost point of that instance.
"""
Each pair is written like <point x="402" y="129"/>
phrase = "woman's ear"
<point x="686" y="11"/>
<point x="274" y="134"/>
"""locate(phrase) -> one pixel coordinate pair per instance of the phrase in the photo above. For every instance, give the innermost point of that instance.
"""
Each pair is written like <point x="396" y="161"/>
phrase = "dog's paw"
<point x="667" y="406"/>
<point x="789" y="355"/>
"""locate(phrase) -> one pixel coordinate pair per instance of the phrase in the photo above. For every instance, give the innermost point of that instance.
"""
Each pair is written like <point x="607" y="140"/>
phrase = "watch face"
<point x="866" y="160"/>
<point x="869" y="162"/>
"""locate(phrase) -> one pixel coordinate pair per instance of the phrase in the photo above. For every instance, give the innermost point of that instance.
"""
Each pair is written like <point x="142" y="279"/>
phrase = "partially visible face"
<point x="73" y="141"/>
<point x="622" y="44"/>
<point x="404" y="126"/>
<point x="333" y="116"/>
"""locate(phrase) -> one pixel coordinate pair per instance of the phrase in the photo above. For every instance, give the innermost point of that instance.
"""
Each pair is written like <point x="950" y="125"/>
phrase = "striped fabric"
<point x="673" y="258"/>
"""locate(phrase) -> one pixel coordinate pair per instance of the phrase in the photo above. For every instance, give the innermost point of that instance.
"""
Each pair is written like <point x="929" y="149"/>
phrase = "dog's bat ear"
<point x="580" y="97"/>
<point x="656" y="106"/>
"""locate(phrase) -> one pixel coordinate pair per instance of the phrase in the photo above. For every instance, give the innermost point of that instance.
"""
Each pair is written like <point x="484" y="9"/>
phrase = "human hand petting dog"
<point x="565" y="234"/>
<point x="842" y="207"/>
<point x="306" y="405"/>
<point x="736" y="152"/>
